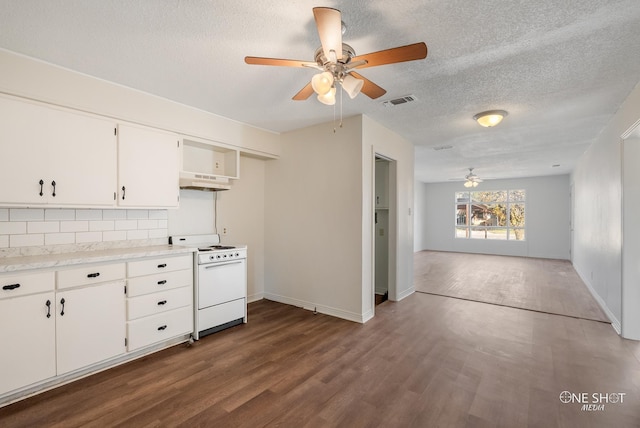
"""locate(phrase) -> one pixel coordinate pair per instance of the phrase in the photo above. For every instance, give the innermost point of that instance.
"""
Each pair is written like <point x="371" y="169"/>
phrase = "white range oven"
<point x="220" y="283"/>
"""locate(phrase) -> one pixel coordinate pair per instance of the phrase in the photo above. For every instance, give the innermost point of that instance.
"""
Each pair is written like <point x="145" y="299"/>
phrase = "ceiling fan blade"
<point x="329" y="23"/>
<point x="304" y="93"/>
<point x="256" y="60"/>
<point x="393" y="55"/>
<point x="369" y="88"/>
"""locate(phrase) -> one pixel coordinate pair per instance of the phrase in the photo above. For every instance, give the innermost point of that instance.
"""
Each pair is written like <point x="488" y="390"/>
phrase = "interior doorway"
<point x="384" y="229"/>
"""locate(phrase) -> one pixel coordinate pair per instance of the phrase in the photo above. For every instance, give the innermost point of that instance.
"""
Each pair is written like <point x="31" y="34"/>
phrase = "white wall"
<point x="548" y="217"/>
<point x="597" y="239"/>
<point x="30" y="78"/>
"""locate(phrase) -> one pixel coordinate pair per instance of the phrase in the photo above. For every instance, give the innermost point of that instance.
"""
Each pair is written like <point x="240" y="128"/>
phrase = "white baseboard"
<point x="615" y="322"/>
<point x="405" y="293"/>
<point x="255" y="297"/>
<point x="327" y="310"/>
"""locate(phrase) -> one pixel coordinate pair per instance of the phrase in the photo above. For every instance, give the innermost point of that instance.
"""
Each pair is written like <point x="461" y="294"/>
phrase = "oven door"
<point x="221" y="282"/>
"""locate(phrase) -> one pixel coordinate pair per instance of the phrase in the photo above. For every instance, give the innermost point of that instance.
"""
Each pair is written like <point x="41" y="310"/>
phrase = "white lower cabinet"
<point x="159" y="300"/>
<point x="90" y="325"/>
<point x="59" y="323"/>
<point x="28" y="340"/>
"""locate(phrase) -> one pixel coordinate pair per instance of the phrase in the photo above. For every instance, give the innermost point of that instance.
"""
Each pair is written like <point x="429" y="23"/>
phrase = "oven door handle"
<point x="217" y="264"/>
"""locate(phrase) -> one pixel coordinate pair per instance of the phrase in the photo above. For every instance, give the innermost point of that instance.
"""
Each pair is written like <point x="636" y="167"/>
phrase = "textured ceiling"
<point x="560" y="68"/>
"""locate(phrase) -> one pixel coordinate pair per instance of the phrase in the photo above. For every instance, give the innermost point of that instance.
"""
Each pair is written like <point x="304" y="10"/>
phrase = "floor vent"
<point x="398" y="101"/>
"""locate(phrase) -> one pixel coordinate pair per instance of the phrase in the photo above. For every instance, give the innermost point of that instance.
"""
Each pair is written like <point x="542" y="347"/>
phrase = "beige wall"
<point x="319" y="217"/>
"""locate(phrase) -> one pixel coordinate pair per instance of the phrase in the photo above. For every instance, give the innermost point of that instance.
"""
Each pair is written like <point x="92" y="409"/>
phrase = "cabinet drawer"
<point x="91" y="274"/>
<point x="13" y="285"/>
<point x="146" y="331"/>
<point x="151" y="304"/>
<point x="159" y="282"/>
<point x="160" y="264"/>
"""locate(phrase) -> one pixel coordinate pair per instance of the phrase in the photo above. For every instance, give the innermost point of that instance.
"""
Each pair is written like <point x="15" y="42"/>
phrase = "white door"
<point x="28" y="352"/>
<point x="148" y="167"/>
<point x="90" y="325"/>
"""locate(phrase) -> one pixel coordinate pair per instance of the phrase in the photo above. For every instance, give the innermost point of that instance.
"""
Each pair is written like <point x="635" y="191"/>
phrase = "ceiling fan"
<point x="337" y="61"/>
<point x="472" y="179"/>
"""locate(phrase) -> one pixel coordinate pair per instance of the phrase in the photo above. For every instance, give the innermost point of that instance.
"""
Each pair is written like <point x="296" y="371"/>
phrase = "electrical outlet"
<point x="381" y="232"/>
<point x="225" y="230"/>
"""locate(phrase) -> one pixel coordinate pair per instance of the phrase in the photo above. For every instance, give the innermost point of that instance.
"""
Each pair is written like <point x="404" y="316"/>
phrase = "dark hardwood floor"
<point x="427" y="361"/>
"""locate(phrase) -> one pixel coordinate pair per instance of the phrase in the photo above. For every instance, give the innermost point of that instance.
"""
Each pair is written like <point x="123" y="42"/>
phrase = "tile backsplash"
<point x="44" y="227"/>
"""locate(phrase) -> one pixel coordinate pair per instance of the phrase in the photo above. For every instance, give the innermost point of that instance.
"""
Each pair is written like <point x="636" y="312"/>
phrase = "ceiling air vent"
<point x="437" y="149"/>
<point x="398" y="101"/>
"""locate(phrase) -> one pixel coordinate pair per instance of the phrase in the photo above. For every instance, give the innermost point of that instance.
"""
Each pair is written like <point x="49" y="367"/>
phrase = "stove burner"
<point x="216" y="247"/>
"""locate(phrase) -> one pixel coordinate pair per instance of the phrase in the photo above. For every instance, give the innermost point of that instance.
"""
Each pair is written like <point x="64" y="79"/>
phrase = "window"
<point x="496" y="215"/>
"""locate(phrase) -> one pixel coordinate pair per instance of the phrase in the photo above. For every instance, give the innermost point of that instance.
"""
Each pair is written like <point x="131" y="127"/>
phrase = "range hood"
<point x="210" y="183"/>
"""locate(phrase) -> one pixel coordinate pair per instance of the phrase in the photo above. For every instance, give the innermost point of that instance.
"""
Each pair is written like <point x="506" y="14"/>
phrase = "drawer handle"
<point x="11" y="287"/>
<point x="163" y="282"/>
<point x="93" y="275"/>
<point x="163" y="265"/>
<point x="162" y="302"/>
<point x="162" y="327"/>
<point x="48" y="308"/>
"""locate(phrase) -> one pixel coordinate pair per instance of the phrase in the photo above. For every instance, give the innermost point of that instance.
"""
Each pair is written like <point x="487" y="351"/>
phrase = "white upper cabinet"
<point x="51" y="156"/>
<point x="148" y="165"/>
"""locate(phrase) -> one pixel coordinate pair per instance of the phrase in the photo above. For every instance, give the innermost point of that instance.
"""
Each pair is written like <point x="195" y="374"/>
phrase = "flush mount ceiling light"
<point x="490" y="118"/>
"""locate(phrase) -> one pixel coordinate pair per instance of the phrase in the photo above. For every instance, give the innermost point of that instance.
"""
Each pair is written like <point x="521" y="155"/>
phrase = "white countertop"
<point x="20" y="263"/>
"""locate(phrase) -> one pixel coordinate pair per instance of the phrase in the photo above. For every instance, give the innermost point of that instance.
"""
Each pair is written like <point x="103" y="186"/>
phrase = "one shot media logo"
<point x="592" y="401"/>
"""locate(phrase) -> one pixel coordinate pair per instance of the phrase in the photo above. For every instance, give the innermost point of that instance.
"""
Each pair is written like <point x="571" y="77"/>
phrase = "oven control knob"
<point x="218" y="256"/>
<point x="237" y="254"/>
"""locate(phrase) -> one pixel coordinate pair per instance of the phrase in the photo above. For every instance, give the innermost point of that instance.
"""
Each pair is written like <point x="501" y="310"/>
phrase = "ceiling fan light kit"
<point x="490" y="118"/>
<point x="337" y="61"/>
<point x="472" y="179"/>
<point x="329" y="98"/>
<point x="352" y="86"/>
<point x="322" y="82"/>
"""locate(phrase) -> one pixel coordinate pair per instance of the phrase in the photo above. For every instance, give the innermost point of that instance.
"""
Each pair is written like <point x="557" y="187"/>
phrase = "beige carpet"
<point x="543" y="285"/>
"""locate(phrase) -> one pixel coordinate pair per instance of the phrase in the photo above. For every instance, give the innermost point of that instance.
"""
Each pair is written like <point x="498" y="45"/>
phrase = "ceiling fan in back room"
<point x="337" y="61"/>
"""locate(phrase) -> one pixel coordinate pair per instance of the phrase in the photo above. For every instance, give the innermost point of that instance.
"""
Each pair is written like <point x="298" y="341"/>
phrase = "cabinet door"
<point x="23" y="159"/>
<point x="72" y="154"/>
<point x="148" y="163"/>
<point x="90" y="325"/>
<point x="82" y="158"/>
<point x="28" y="337"/>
